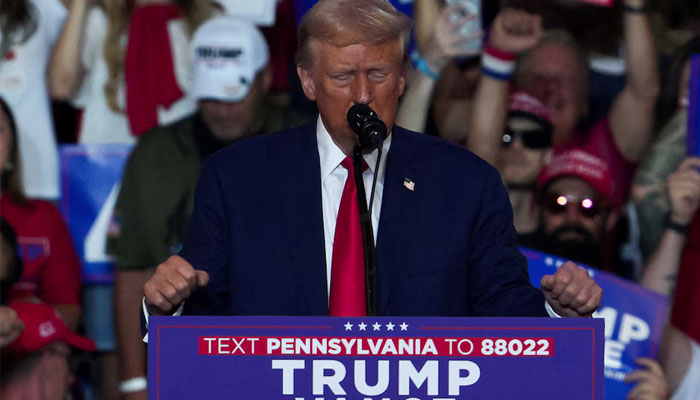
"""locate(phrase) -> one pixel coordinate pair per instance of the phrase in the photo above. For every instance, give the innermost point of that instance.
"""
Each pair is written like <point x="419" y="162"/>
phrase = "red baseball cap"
<point x="43" y="326"/>
<point x="583" y="165"/>
<point x="525" y="105"/>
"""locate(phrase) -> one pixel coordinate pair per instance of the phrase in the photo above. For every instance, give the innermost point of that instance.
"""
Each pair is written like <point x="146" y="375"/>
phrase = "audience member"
<point x="526" y="148"/>
<point x="649" y="187"/>
<point x="36" y="365"/>
<point x="231" y="78"/>
<point x="51" y="267"/>
<point x="555" y="70"/>
<point x="686" y="306"/>
<point x="10" y="272"/>
<point x="680" y="354"/>
<point x="28" y="30"/>
<point x="124" y="63"/>
<point x="575" y="195"/>
<point x="441" y="79"/>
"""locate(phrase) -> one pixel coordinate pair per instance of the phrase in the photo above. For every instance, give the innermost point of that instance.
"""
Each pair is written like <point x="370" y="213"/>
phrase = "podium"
<point x="397" y="358"/>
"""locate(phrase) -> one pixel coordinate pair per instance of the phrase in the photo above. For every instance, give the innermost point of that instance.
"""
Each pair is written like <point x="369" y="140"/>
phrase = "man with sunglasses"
<point x="575" y="195"/>
<point x="525" y="148"/>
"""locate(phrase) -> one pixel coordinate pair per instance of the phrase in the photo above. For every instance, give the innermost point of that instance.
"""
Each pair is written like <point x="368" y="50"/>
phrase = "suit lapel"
<point x="304" y="219"/>
<point x="392" y="234"/>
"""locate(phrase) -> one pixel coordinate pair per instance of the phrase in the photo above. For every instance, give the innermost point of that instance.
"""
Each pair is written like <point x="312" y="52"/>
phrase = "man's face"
<point x="573" y="211"/>
<point x="552" y="73"/>
<point x="230" y="121"/>
<point x="340" y="77"/>
<point x="519" y="164"/>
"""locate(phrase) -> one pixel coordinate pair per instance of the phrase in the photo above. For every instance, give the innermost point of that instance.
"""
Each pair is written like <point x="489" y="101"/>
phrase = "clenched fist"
<point x="571" y="291"/>
<point x="172" y="283"/>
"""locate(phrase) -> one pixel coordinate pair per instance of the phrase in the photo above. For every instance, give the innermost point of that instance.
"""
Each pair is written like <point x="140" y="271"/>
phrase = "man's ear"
<point x="307" y="83"/>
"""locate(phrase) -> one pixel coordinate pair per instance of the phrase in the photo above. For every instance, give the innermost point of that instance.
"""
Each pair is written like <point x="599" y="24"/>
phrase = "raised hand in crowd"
<point x="171" y="284"/>
<point x="441" y="36"/>
<point x="513" y="32"/>
<point x="650" y="381"/>
<point x="684" y="191"/>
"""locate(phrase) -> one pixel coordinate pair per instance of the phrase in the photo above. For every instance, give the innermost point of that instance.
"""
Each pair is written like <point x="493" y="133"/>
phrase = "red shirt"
<point x="686" y="305"/>
<point x="51" y="266"/>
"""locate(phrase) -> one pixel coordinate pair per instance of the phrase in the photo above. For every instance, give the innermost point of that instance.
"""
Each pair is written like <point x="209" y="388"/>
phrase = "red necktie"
<point x="347" y="297"/>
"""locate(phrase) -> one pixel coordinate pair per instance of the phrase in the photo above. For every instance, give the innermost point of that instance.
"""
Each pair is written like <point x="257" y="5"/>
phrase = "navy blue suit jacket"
<point x="448" y="248"/>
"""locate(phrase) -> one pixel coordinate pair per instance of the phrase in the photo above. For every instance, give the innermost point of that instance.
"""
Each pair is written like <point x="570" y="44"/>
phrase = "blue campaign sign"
<point x="634" y="319"/>
<point x="90" y="176"/>
<point x="693" y="136"/>
<point x="293" y="358"/>
<point x="302" y="6"/>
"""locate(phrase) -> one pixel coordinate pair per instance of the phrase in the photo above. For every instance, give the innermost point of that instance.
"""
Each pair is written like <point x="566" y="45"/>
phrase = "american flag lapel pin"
<point x="409" y="184"/>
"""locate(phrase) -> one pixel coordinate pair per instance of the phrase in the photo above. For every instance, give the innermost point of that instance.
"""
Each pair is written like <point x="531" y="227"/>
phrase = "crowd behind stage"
<point x="582" y="109"/>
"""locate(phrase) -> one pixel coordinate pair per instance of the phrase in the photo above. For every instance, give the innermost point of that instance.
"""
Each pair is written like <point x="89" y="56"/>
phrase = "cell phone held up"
<point x="469" y="28"/>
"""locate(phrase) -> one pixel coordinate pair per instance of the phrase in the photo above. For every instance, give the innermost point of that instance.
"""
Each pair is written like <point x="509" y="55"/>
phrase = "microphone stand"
<point x="370" y="251"/>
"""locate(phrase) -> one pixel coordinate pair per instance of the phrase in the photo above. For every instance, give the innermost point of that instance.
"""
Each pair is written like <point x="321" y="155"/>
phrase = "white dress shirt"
<point x="333" y="177"/>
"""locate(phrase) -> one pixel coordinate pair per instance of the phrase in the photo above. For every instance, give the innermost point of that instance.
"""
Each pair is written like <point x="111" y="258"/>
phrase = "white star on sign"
<point x="348" y="326"/>
<point x="376" y="326"/>
<point x="362" y="326"/>
<point x="404" y="326"/>
<point x="390" y="326"/>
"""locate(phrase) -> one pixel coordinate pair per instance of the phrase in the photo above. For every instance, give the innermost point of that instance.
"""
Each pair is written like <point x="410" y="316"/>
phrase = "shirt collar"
<point x="331" y="155"/>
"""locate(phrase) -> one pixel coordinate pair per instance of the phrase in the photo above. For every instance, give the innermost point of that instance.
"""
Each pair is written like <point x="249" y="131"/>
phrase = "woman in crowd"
<point x="51" y="267"/>
<point x="126" y="64"/>
<point x="28" y="30"/>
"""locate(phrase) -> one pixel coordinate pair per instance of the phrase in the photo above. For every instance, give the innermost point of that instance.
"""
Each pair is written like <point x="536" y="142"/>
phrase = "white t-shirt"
<point x="23" y="85"/>
<point x="689" y="389"/>
<point x="100" y="124"/>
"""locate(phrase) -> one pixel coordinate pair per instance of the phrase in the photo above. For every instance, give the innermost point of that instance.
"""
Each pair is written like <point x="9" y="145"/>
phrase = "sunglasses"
<point x="532" y="139"/>
<point x="557" y="203"/>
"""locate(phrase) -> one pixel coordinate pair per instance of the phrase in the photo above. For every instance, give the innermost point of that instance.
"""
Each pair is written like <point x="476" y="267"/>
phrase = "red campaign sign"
<point x="387" y="346"/>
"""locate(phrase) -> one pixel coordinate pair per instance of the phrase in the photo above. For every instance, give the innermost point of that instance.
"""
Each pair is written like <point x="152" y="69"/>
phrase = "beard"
<point x="585" y="249"/>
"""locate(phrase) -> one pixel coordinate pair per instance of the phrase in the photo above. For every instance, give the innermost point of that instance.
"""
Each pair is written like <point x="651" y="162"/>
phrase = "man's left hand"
<point x="571" y="291"/>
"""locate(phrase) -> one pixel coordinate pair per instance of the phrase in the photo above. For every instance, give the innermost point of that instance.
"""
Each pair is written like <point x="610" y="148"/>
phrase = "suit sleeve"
<point x="207" y="244"/>
<point x="499" y="280"/>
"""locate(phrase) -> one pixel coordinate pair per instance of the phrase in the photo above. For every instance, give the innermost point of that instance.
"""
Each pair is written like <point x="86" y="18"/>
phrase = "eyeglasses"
<point x="532" y="139"/>
<point x="557" y="203"/>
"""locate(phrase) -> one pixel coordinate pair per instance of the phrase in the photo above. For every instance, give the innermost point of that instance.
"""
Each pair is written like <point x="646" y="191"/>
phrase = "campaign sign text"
<point x="382" y="358"/>
<point x="634" y="320"/>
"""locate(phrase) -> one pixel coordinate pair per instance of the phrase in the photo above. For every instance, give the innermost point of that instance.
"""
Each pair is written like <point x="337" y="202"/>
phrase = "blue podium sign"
<point x="294" y="358"/>
<point x="634" y="320"/>
<point x="90" y="177"/>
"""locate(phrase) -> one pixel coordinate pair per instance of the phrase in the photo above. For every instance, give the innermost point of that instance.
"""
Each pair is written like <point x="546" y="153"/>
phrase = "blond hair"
<point x="194" y="12"/>
<point x="345" y="22"/>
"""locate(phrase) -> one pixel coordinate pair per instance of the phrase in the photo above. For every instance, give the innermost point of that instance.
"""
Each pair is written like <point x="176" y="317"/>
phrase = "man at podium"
<point x="276" y="231"/>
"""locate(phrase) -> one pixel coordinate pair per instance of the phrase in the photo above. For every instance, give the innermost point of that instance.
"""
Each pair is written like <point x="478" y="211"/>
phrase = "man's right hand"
<point x="172" y="283"/>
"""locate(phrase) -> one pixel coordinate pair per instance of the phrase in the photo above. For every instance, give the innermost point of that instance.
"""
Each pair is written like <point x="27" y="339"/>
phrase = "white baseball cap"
<point x="227" y="54"/>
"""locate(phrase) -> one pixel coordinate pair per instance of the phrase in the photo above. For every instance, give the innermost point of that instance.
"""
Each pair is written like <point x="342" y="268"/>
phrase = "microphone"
<point x="369" y="129"/>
